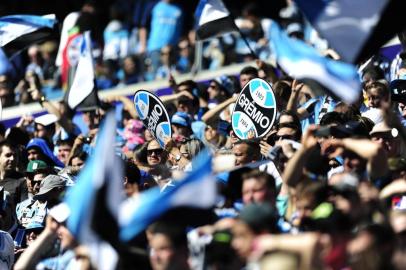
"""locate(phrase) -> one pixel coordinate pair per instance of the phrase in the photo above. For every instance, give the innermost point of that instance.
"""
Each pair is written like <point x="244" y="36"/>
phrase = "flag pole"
<point x="253" y="54"/>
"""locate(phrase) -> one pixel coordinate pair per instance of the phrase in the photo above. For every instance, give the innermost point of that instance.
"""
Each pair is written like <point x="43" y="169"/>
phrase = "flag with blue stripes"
<point x="302" y="61"/>
<point x="94" y="200"/>
<point x="212" y="19"/>
<point x="20" y="31"/>
<point x="196" y="190"/>
<point x="355" y="29"/>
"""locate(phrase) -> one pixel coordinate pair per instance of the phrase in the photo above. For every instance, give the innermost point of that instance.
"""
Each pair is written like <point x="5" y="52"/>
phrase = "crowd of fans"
<point x="324" y="189"/>
<point x="328" y="191"/>
<point x="142" y="41"/>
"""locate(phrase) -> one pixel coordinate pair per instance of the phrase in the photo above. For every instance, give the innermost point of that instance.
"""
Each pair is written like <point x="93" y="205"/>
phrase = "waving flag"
<point x="93" y="201"/>
<point x="197" y="189"/>
<point x="83" y="84"/>
<point x="355" y="29"/>
<point x="17" y="32"/>
<point x="213" y="19"/>
<point x="303" y="62"/>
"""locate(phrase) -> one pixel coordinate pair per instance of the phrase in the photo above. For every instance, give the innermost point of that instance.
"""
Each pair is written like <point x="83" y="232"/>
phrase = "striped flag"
<point x="83" y="84"/>
<point x="303" y="62"/>
<point x="17" y="32"/>
<point x="355" y="29"/>
<point x="213" y="19"/>
<point x="196" y="190"/>
<point x="94" y="200"/>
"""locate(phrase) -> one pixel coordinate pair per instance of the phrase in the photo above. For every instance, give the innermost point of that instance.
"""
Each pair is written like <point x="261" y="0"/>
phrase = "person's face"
<point x="254" y="191"/>
<point x="210" y="134"/>
<point x="184" y="151"/>
<point x="185" y="106"/>
<point x="31" y="236"/>
<point x="242" y="239"/>
<point x="65" y="236"/>
<point x="375" y="98"/>
<point x="148" y="135"/>
<point x="154" y="153"/>
<point x="240" y="152"/>
<point x="285" y="133"/>
<point x="161" y="251"/>
<point x="130" y="189"/>
<point x="304" y="207"/>
<point x="213" y="90"/>
<point x="165" y="56"/>
<point x="244" y="79"/>
<point x="359" y="245"/>
<point x="36" y="182"/>
<point x="63" y="152"/>
<point x="8" y="160"/>
<point x="179" y="130"/>
<point x="353" y="163"/>
<point x="233" y="137"/>
<point x="77" y="163"/>
<point x="129" y="66"/>
<point x="40" y="131"/>
<point x="33" y="154"/>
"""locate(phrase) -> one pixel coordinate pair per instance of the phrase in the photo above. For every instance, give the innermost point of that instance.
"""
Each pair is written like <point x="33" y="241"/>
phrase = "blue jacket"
<point x="42" y="145"/>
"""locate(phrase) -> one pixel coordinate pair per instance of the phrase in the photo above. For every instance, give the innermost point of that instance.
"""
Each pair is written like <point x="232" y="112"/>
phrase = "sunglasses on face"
<point x="157" y="151"/>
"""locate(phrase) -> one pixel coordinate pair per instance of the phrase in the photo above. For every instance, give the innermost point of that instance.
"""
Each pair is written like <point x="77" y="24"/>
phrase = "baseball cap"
<point x="46" y="119"/>
<point x="35" y="165"/>
<point x="48" y="183"/>
<point x="383" y="128"/>
<point x="260" y="216"/>
<point x="34" y="226"/>
<point x="181" y="119"/>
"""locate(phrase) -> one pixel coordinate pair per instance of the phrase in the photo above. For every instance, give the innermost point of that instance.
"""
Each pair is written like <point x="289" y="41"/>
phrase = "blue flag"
<point x="355" y="29"/>
<point x="303" y="62"/>
<point x="20" y="31"/>
<point x="94" y="200"/>
<point x="197" y="189"/>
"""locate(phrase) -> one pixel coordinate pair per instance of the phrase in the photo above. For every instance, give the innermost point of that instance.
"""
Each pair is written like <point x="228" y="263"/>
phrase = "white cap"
<point x="46" y="119"/>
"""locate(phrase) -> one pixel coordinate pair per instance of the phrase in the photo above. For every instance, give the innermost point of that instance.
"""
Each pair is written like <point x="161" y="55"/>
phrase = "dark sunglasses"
<point x="157" y="151"/>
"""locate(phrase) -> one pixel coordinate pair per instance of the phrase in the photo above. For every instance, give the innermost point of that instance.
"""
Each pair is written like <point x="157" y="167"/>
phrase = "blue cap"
<point x="34" y="225"/>
<point x="181" y="119"/>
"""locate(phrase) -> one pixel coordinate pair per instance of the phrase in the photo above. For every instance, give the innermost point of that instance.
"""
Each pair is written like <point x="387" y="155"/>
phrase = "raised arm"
<point x="294" y="168"/>
<point x="375" y="155"/>
<point x="218" y="109"/>
<point x="33" y="254"/>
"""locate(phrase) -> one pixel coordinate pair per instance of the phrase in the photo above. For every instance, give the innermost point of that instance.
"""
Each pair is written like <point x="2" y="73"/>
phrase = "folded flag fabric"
<point x="84" y="80"/>
<point x="94" y="199"/>
<point x="213" y="19"/>
<point x="197" y="190"/>
<point x="303" y="62"/>
<point x="17" y="32"/>
<point x="355" y="29"/>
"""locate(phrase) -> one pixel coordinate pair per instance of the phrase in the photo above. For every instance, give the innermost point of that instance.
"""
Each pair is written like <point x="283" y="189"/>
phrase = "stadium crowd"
<point x="324" y="189"/>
